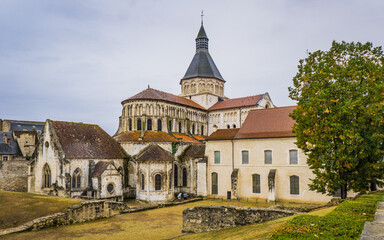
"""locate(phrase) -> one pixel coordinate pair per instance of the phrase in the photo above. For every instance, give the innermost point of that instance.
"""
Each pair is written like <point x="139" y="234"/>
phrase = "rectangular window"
<point x="295" y="185"/>
<point x="215" y="183"/>
<point x="293" y="157"/>
<point x="245" y="157"/>
<point x="217" y="157"/>
<point x="5" y="158"/>
<point x="268" y="157"/>
<point x="256" y="183"/>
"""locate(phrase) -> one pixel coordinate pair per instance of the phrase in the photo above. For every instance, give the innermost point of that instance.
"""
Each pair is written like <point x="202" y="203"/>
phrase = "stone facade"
<point x="211" y="218"/>
<point x="14" y="175"/>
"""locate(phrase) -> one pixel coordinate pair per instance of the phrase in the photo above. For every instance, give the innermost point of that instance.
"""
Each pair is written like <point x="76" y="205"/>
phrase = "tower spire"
<point x="202" y="17"/>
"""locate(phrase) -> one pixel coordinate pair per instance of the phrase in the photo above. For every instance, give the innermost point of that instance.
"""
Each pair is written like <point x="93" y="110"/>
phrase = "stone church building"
<point x="198" y="142"/>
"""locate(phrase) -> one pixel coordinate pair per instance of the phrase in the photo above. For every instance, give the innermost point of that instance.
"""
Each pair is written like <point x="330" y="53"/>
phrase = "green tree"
<point x="339" y="116"/>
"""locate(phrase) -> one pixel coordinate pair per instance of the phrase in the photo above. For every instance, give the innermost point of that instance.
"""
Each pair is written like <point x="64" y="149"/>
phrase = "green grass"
<point x="345" y="222"/>
<point x="17" y="208"/>
<point x="159" y="223"/>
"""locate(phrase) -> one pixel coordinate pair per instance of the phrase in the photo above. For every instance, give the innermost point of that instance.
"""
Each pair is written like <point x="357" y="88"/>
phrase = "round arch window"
<point x="110" y="188"/>
<point x="46" y="144"/>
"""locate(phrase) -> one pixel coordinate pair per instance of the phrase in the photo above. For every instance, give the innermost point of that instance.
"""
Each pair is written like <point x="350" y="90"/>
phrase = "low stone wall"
<point x="14" y="175"/>
<point x="83" y="212"/>
<point x="209" y="218"/>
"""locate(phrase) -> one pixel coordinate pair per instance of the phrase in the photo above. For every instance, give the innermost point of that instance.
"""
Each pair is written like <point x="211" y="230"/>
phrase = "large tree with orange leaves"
<point x="340" y="116"/>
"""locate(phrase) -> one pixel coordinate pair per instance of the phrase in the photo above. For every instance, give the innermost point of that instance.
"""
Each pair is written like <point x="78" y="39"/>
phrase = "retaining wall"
<point x="209" y="218"/>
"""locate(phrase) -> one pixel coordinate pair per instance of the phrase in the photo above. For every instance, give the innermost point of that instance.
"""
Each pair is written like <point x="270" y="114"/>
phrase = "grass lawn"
<point x="159" y="223"/>
<point x="17" y="208"/>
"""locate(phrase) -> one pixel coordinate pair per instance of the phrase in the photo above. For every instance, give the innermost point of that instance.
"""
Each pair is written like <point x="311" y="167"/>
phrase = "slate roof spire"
<point x="202" y="64"/>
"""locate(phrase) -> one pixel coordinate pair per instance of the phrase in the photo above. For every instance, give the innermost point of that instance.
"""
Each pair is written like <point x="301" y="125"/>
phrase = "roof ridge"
<point x="81" y="123"/>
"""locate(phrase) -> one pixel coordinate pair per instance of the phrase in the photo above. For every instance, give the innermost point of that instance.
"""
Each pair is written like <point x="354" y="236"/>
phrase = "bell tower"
<point x="202" y="82"/>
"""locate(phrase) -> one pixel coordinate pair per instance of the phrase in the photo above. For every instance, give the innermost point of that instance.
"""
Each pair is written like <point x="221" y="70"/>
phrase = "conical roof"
<point x="202" y="64"/>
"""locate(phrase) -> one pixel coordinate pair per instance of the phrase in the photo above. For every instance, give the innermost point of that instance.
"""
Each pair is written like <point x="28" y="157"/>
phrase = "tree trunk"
<point x="344" y="191"/>
<point x="373" y="186"/>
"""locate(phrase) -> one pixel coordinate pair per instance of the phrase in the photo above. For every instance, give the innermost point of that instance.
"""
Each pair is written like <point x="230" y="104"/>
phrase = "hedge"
<point x="345" y="222"/>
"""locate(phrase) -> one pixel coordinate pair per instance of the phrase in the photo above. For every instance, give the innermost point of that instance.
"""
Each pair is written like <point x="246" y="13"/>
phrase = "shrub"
<point x="345" y="222"/>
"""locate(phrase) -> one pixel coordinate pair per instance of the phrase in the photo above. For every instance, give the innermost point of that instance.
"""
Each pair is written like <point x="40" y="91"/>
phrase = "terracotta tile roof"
<point x="100" y="168"/>
<point x="237" y="102"/>
<point x="223" y="134"/>
<point x="267" y="123"/>
<point x="154" y="94"/>
<point x="185" y="138"/>
<point x="79" y="140"/>
<point x="199" y="137"/>
<point x="154" y="153"/>
<point x="194" y="151"/>
<point x="149" y="136"/>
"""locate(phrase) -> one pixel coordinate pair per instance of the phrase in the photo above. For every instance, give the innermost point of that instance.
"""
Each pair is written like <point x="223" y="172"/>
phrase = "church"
<point x="199" y="142"/>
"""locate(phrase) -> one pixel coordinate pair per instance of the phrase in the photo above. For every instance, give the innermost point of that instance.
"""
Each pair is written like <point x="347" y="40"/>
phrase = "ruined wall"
<point x="14" y="175"/>
<point x="209" y="218"/>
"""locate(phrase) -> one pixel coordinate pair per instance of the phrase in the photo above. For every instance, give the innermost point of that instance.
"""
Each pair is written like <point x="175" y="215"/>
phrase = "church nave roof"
<point x="237" y="102"/>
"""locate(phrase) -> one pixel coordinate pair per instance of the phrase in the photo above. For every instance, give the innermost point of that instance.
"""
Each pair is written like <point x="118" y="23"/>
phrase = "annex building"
<point x="198" y="142"/>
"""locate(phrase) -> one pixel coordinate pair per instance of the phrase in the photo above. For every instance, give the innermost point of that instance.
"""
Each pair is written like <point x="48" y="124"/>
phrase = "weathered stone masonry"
<point x="210" y="218"/>
<point x="14" y="175"/>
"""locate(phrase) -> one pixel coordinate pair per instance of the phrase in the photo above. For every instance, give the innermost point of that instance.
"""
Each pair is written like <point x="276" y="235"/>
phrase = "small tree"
<point x="339" y="116"/>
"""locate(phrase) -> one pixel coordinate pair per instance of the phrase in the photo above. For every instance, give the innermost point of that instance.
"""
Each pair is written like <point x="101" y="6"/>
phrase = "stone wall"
<point x="14" y="175"/>
<point x="83" y="212"/>
<point x="209" y="218"/>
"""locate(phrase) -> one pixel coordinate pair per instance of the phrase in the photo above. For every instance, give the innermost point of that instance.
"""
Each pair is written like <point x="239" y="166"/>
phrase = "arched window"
<point x="170" y="125"/>
<point x="215" y="183"/>
<point x="294" y="185"/>
<point x="185" y="179"/>
<point x="202" y="129"/>
<point x="149" y="124"/>
<point x="46" y="176"/>
<point x="159" y="125"/>
<point x="138" y="124"/>
<point x="234" y="125"/>
<point x="142" y="182"/>
<point x="193" y="128"/>
<point x="76" y="178"/>
<point x="176" y="176"/>
<point x="179" y="127"/>
<point x="256" y="183"/>
<point x="228" y="126"/>
<point x="130" y="124"/>
<point x="157" y="182"/>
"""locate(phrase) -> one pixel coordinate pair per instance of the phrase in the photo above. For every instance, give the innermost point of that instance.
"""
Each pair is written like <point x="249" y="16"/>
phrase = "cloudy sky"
<point x="77" y="60"/>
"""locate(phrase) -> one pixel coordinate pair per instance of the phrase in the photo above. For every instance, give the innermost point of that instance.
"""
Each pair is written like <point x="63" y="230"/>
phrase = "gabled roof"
<point x="26" y="125"/>
<point x="153" y="94"/>
<point x="185" y="138"/>
<point x="100" y="168"/>
<point x="267" y="123"/>
<point x="79" y="141"/>
<point x="237" y="102"/>
<point x="223" y="134"/>
<point x="202" y="65"/>
<point x="154" y="153"/>
<point x="194" y="151"/>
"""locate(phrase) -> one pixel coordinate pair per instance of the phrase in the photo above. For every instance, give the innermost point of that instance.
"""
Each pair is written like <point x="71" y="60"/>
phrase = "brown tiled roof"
<point x="79" y="140"/>
<point x="154" y="153"/>
<point x="267" y="123"/>
<point x="185" y="138"/>
<point x="100" y="168"/>
<point x="154" y="94"/>
<point x="149" y="136"/>
<point x="223" y="134"/>
<point x="194" y="151"/>
<point x="198" y="137"/>
<point x="237" y="102"/>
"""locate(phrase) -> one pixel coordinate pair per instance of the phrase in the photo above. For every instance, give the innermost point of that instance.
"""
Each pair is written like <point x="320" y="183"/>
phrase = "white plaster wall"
<point x="280" y="161"/>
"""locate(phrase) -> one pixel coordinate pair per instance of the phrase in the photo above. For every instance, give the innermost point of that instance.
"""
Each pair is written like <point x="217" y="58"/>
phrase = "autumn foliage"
<point x="340" y="116"/>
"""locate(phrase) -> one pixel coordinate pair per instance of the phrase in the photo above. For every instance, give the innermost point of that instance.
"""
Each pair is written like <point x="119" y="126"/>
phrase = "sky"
<point x="78" y="60"/>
